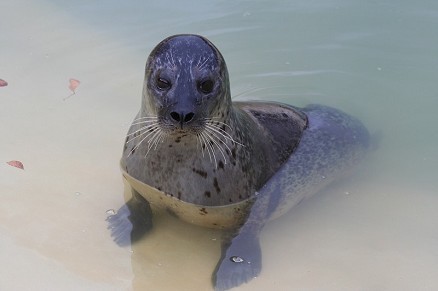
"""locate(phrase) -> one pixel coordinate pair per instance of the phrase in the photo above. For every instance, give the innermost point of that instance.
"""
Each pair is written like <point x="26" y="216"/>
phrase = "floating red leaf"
<point x="16" y="164"/>
<point x="3" y="83"/>
<point x="73" y="85"/>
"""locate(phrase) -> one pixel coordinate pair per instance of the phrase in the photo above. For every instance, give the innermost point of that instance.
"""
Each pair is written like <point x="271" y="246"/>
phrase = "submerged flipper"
<point x="132" y="221"/>
<point x="241" y="261"/>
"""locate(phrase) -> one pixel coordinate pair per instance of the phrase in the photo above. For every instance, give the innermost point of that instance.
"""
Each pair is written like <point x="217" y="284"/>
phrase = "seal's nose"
<point x="182" y="117"/>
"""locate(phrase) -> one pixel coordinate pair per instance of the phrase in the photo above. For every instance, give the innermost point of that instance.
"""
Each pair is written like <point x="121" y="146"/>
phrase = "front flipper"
<point x="132" y="221"/>
<point x="241" y="261"/>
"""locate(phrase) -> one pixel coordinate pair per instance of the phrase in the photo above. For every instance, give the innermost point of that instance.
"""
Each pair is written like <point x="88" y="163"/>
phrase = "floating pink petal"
<point x="16" y="164"/>
<point x="73" y="85"/>
<point x="3" y="83"/>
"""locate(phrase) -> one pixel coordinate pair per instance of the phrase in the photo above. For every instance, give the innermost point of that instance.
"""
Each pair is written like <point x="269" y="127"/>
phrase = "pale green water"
<point x="377" y="60"/>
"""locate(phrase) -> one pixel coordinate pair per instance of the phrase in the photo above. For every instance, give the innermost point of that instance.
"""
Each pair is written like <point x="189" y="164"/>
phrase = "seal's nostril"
<point x="189" y="116"/>
<point x="181" y="117"/>
<point x="175" y="116"/>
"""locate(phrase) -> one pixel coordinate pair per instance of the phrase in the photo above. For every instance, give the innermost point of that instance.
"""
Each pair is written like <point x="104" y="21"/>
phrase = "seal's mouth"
<point x="177" y="124"/>
<point x="183" y="130"/>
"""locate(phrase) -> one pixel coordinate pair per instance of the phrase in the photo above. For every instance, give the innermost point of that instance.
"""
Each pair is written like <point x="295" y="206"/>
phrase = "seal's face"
<point x="186" y="84"/>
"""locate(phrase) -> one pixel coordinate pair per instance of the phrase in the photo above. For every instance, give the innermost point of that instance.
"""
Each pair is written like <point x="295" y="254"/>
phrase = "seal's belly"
<point x="221" y="217"/>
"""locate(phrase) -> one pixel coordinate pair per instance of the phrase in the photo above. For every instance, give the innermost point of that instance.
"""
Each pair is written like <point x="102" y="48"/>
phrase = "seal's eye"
<point x="206" y="86"/>
<point x="163" y="84"/>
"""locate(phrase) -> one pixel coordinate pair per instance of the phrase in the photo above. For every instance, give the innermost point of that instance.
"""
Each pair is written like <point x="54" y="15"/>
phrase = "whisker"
<point x="217" y="145"/>
<point x="151" y="141"/>
<point x="159" y="139"/>
<point x="149" y="133"/>
<point x="208" y="147"/>
<point x="250" y="90"/>
<point x="143" y="122"/>
<point x="217" y="128"/>
<point x="214" y="134"/>
<point x="149" y="148"/>
<point x="145" y="118"/>
<point x="211" y="121"/>
<point x="223" y="133"/>
<point x="141" y="129"/>
<point x="155" y="142"/>
<point x="212" y="124"/>
<point x="133" y="138"/>
<point x="202" y="137"/>
<point x="200" y="144"/>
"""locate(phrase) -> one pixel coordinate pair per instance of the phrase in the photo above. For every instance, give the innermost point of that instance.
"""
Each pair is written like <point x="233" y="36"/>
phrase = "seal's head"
<point x="186" y="85"/>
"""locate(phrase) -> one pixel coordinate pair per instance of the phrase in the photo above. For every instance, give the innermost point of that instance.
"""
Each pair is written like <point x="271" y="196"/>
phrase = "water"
<point x="377" y="60"/>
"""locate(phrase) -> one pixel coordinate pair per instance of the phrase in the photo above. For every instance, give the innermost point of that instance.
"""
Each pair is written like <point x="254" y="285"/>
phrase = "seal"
<point x="224" y="164"/>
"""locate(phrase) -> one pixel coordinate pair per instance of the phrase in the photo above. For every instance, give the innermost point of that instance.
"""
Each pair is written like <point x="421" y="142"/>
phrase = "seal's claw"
<point x="120" y="226"/>
<point x="241" y="261"/>
<point x="132" y="221"/>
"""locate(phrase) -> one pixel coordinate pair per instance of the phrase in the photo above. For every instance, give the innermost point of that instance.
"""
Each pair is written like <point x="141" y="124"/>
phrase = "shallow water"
<point x="377" y="60"/>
